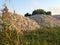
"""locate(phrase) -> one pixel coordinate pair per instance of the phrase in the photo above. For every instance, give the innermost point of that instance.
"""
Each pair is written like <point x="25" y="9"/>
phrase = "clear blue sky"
<point x="24" y="6"/>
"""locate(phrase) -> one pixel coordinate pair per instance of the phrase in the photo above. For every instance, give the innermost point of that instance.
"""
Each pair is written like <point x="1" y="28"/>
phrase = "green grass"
<point x="45" y="36"/>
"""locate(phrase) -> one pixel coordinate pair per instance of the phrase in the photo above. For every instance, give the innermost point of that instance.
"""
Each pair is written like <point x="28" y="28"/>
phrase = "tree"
<point x="38" y="11"/>
<point x="27" y="14"/>
<point x="48" y="13"/>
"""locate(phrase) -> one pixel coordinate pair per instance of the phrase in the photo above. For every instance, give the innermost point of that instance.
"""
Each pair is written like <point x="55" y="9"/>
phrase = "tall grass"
<point x="45" y="36"/>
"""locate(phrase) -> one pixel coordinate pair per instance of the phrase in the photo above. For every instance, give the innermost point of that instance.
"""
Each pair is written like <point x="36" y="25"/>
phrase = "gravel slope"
<point x="46" y="20"/>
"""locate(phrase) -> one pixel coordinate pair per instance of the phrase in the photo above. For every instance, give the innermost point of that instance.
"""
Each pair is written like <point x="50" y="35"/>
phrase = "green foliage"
<point x="38" y="11"/>
<point x="48" y="13"/>
<point x="27" y="14"/>
<point x="45" y="36"/>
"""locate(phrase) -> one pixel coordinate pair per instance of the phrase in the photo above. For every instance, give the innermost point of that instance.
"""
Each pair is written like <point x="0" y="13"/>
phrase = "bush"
<point x="48" y="13"/>
<point x="38" y="11"/>
<point x="27" y="14"/>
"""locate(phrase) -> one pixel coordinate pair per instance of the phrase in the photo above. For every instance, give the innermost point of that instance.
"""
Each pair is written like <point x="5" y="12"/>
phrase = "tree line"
<point x="39" y="11"/>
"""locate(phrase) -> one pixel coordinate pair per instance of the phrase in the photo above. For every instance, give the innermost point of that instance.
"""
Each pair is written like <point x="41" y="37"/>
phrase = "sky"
<point x="24" y="6"/>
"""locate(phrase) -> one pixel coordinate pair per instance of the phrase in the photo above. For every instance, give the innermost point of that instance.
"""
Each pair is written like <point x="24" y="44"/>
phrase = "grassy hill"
<point x="10" y="36"/>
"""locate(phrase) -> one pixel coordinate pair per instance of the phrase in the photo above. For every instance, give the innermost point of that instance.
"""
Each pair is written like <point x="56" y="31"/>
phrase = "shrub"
<point x="48" y="13"/>
<point x="38" y="11"/>
<point x="27" y="14"/>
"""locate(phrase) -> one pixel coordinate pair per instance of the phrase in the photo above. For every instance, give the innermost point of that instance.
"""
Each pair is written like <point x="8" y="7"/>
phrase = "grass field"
<point x="45" y="36"/>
